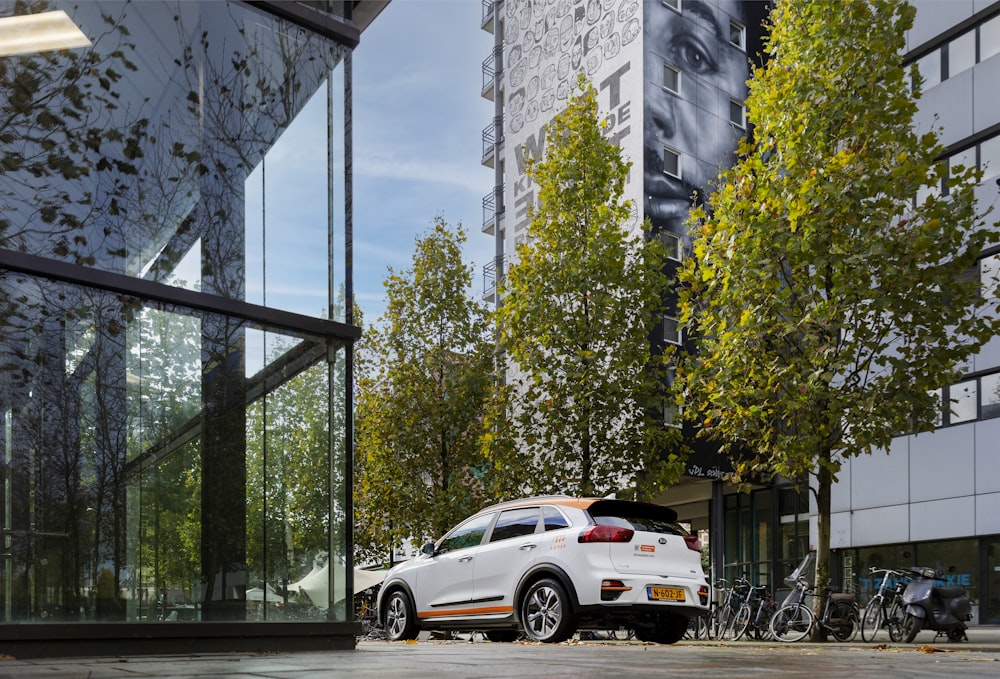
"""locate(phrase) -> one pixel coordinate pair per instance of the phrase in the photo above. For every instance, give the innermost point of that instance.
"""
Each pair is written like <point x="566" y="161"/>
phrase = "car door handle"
<point x="524" y="548"/>
<point x="464" y="559"/>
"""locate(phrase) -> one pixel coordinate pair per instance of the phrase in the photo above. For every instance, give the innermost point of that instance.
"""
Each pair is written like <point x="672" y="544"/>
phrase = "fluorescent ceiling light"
<point x="39" y="33"/>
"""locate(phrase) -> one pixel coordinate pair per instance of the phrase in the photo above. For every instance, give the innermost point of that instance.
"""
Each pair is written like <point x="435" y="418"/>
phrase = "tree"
<point x="579" y="307"/>
<point x="828" y="286"/>
<point x="423" y="376"/>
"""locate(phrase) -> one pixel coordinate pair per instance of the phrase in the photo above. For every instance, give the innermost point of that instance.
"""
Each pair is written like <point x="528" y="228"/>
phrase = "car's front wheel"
<point x="547" y="613"/>
<point x="400" y="621"/>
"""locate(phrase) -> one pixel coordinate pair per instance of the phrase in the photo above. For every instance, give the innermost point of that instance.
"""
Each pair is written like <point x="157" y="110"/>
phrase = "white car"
<point x="549" y="566"/>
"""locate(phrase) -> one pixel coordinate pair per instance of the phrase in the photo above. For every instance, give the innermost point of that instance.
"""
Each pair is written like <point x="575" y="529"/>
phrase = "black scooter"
<point x="943" y="609"/>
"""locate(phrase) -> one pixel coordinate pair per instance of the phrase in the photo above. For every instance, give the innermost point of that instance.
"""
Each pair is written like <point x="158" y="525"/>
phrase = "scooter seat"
<point x="949" y="592"/>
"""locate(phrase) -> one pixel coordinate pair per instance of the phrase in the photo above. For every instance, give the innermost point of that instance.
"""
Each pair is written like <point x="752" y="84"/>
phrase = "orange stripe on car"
<point x="466" y="611"/>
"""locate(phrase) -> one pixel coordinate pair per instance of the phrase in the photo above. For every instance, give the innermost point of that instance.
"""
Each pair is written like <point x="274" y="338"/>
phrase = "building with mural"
<point x="671" y="75"/>
<point x="174" y="425"/>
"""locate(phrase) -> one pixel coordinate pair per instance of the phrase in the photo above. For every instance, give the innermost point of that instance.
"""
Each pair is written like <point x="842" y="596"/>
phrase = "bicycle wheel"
<point x="791" y="623"/>
<point x="894" y="620"/>
<point x="713" y="623"/>
<point x="843" y="621"/>
<point x="762" y="623"/>
<point x="723" y="623"/>
<point x="873" y="620"/>
<point x="741" y="621"/>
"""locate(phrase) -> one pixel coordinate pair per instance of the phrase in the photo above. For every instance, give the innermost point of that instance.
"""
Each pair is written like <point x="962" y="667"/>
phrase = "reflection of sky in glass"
<point x="286" y="217"/>
<point x="964" y="401"/>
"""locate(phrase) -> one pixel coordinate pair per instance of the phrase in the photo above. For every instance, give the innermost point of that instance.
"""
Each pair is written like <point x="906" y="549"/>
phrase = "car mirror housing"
<point x="428" y="549"/>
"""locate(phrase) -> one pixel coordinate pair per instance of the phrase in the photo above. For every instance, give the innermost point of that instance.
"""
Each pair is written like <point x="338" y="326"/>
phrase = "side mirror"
<point x="428" y="549"/>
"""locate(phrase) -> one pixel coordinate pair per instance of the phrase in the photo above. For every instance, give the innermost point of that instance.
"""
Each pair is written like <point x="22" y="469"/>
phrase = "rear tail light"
<point x="612" y="589"/>
<point x="693" y="543"/>
<point x="606" y="534"/>
<point x="703" y="595"/>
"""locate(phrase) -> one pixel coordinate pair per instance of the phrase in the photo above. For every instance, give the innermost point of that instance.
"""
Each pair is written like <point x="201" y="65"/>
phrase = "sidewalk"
<point x="979" y="657"/>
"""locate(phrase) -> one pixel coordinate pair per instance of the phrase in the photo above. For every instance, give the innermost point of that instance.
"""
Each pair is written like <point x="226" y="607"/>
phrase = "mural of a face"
<point x="694" y="122"/>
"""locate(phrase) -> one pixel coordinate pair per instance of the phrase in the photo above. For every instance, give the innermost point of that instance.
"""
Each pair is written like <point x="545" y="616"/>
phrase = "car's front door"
<point x="445" y="583"/>
<point x="513" y="546"/>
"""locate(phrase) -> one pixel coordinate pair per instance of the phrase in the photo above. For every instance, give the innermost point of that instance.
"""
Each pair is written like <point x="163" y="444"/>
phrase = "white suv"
<point x="549" y="566"/>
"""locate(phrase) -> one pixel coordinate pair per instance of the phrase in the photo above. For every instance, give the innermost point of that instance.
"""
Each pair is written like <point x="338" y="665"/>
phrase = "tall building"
<point x="174" y="423"/>
<point x="671" y="76"/>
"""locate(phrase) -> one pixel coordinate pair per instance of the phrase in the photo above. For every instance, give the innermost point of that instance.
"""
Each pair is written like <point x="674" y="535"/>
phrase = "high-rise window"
<point x="671" y="162"/>
<point x="671" y="78"/>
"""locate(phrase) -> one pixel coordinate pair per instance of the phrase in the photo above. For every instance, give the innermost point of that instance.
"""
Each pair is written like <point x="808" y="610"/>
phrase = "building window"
<point x="964" y="401"/>
<point x="989" y="157"/>
<point x="671" y="78"/>
<point x="737" y="34"/>
<point x="673" y="244"/>
<point x="672" y="4"/>
<point x="671" y="162"/>
<point x="671" y="330"/>
<point x="990" y="389"/>
<point x="962" y="159"/>
<point x="961" y="53"/>
<point x="929" y="66"/>
<point x="938" y="418"/>
<point x="989" y="275"/>
<point x="737" y="114"/>
<point x="989" y="38"/>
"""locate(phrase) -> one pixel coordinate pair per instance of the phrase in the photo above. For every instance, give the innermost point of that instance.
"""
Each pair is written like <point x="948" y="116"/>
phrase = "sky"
<point x="418" y="122"/>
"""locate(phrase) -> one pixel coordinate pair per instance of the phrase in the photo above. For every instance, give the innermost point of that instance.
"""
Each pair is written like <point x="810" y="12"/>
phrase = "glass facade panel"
<point x="169" y="452"/>
<point x="171" y="146"/>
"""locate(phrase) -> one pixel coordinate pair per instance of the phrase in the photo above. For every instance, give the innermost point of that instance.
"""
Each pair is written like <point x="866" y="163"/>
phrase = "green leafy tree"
<point x="424" y="373"/>
<point x="584" y="398"/>
<point x="829" y="287"/>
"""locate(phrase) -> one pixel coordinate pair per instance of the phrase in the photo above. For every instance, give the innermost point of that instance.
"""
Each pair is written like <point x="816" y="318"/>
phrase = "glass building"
<point x="176" y="344"/>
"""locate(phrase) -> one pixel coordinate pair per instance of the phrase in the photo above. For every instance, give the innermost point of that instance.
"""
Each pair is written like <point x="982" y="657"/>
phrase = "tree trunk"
<point x="824" y="483"/>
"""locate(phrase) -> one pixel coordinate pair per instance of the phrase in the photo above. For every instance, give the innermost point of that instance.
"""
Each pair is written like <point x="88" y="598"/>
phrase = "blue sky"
<point x="418" y="121"/>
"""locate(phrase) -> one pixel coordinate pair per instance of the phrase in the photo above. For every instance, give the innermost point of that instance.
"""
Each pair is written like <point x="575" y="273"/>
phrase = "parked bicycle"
<point x="754" y="617"/>
<point x="885" y="612"/>
<point x="795" y="619"/>
<point x="725" y="615"/>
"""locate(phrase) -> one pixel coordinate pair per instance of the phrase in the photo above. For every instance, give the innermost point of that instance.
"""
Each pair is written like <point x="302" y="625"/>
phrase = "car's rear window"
<point x="638" y="516"/>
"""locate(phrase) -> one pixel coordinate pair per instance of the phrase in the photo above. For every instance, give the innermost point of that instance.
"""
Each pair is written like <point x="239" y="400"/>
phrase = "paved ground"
<point x="980" y="657"/>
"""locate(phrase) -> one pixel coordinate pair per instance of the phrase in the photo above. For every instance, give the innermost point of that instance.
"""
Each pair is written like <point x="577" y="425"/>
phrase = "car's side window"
<point x="468" y="534"/>
<point x="553" y="518"/>
<point x="514" y="523"/>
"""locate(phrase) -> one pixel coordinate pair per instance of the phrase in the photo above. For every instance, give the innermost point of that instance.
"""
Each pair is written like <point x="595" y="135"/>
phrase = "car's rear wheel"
<point x="547" y="613"/>
<point x="668" y="629"/>
<point x="400" y="621"/>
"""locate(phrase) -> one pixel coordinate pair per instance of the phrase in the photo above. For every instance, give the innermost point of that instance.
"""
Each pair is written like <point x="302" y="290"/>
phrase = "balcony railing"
<point x="490" y="139"/>
<point x="490" y="276"/>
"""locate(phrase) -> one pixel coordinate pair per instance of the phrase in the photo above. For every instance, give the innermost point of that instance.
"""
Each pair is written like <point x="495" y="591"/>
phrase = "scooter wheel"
<point x="911" y="625"/>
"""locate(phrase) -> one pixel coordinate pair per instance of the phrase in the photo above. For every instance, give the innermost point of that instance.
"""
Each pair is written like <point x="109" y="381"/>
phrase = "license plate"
<point x="665" y="593"/>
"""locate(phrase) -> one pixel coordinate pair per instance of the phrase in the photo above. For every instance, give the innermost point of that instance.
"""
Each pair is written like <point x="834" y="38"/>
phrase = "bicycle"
<point x="754" y="616"/>
<point x="885" y="610"/>
<point x="794" y="620"/>
<point x="732" y="599"/>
